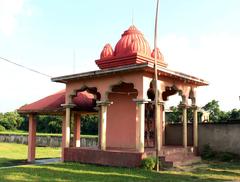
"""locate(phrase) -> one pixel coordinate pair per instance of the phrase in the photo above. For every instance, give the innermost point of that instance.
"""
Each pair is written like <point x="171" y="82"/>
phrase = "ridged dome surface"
<point x="132" y="41"/>
<point x="159" y="55"/>
<point x="107" y="51"/>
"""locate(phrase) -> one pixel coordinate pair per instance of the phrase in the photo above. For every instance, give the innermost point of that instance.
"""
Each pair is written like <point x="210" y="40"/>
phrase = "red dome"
<point x="159" y="55"/>
<point x="107" y="51"/>
<point x="132" y="41"/>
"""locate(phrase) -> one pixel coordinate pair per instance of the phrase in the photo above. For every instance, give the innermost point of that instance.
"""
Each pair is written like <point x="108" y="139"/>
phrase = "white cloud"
<point x="9" y="10"/>
<point x="214" y="57"/>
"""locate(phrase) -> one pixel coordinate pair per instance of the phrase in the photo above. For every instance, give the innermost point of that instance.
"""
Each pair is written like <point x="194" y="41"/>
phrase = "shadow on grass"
<point x="83" y="172"/>
<point x="6" y="162"/>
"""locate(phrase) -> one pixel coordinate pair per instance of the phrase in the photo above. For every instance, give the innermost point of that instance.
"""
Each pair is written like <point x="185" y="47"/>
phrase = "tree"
<point x="216" y="115"/>
<point x="89" y="124"/>
<point x="53" y="124"/>
<point x="234" y="114"/>
<point x="11" y="120"/>
<point x="174" y="116"/>
<point x="49" y="124"/>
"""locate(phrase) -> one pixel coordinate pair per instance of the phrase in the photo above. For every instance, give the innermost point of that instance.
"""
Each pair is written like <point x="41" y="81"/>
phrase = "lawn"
<point x="12" y="154"/>
<point x="206" y="171"/>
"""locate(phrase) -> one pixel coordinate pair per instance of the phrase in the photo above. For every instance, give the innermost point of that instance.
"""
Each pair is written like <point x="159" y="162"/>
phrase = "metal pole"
<point x="157" y="118"/>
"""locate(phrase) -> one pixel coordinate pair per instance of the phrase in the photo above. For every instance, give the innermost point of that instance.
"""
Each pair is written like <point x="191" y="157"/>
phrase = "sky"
<point x="57" y="37"/>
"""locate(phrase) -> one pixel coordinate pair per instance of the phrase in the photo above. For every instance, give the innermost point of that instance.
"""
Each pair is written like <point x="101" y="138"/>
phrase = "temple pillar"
<point x="31" y="138"/>
<point x="99" y="128"/>
<point x="140" y="124"/>
<point x="77" y="130"/>
<point x="159" y="126"/>
<point x="63" y="136"/>
<point x="163" y="122"/>
<point x="184" y="122"/>
<point x="195" y="126"/>
<point x="103" y="122"/>
<point x="66" y="127"/>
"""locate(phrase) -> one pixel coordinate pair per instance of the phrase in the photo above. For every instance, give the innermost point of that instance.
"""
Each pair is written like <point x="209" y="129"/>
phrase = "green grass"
<point x="83" y="172"/>
<point x="207" y="171"/>
<point x="19" y="132"/>
<point x="13" y="154"/>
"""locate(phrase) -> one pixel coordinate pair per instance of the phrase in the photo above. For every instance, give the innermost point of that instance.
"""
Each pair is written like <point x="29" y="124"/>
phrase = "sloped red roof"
<point x="52" y="103"/>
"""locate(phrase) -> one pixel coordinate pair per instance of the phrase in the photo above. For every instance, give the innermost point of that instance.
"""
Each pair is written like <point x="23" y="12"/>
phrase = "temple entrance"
<point x="149" y="140"/>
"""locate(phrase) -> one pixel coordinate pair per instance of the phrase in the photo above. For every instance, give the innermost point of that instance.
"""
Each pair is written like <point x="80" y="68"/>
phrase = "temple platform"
<point x="170" y="156"/>
<point x="109" y="157"/>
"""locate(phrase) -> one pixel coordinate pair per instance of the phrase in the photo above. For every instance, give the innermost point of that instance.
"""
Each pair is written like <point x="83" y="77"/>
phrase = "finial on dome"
<point x="132" y="16"/>
<point x="159" y="55"/>
<point x="107" y="51"/>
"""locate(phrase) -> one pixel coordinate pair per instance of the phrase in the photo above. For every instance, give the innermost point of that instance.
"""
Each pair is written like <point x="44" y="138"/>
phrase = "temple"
<point x="122" y="95"/>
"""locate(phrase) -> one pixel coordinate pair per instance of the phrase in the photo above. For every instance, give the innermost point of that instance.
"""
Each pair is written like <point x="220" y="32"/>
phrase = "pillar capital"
<point x="195" y="107"/>
<point x="162" y="103"/>
<point x="141" y="101"/>
<point x="183" y="106"/>
<point x="104" y="103"/>
<point x="69" y="105"/>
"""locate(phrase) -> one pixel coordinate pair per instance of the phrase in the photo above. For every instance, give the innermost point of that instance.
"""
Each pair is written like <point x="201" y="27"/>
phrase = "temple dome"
<point x="107" y="51"/>
<point x="132" y="41"/>
<point x="131" y="49"/>
<point x="159" y="55"/>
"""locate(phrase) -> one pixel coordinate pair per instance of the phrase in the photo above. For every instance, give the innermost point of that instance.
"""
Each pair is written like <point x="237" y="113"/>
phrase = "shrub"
<point x="148" y="163"/>
<point x="207" y="152"/>
<point x="2" y="128"/>
<point x="226" y="156"/>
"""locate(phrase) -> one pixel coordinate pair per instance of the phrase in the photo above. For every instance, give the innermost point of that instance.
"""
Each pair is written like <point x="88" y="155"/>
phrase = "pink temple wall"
<point x="121" y="122"/>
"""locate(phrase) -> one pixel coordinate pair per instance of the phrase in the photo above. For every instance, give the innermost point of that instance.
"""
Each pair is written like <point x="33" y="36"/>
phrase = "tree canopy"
<point x="216" y="114"/>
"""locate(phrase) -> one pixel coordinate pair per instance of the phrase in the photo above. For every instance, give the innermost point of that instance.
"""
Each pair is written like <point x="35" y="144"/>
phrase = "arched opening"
<point x="84" y="115"/>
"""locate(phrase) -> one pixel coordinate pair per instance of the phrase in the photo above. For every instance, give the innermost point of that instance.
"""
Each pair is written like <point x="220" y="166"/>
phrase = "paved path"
<point x="37" y="162"/>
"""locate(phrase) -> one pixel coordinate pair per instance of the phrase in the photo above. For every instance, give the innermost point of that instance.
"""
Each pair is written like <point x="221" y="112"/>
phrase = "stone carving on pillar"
<point x="149" y="125"/>
<point x="103" y="122"/>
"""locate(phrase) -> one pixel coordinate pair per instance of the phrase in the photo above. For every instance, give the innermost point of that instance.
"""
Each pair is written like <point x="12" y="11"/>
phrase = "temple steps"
<point x="174" y="156"/>
<point x="178" y="156"/>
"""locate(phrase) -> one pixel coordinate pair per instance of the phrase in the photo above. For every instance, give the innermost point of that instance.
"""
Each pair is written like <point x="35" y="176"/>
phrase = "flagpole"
<point x="157" y="110"/>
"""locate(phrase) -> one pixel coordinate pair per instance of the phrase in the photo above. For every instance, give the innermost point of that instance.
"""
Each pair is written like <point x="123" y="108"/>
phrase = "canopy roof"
<point x="52" y="104"/>
<point x="147" y="67"/>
